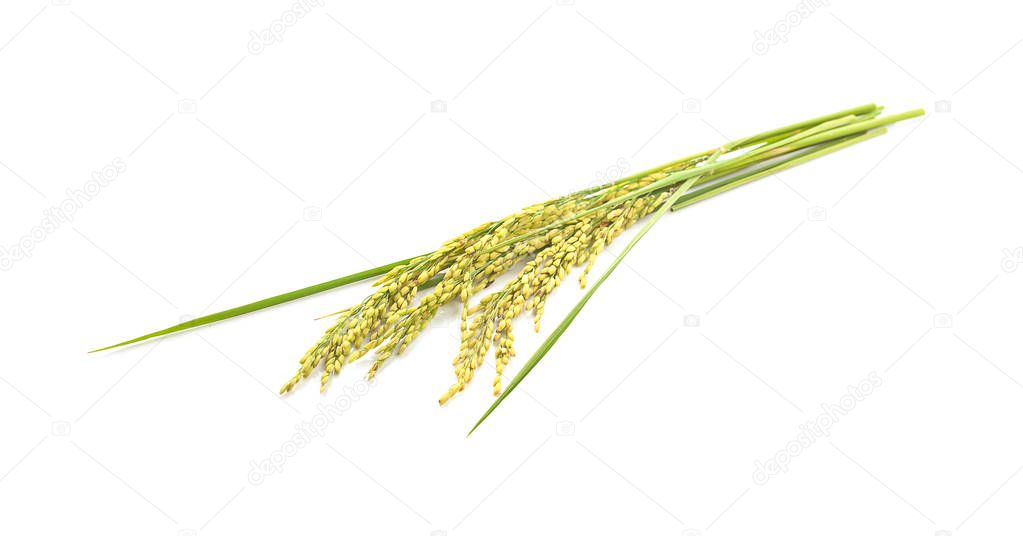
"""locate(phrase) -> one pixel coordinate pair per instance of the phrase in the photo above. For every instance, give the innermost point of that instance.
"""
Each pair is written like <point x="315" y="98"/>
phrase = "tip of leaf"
<point x="124" y="343"/>
<point x="494" y="405"/>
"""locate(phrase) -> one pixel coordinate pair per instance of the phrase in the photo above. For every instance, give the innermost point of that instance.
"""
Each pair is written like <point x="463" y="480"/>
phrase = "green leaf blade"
<point x="261" y="304"/>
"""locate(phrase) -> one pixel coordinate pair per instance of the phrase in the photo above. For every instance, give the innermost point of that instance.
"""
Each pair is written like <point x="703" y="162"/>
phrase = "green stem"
<point x="767" y="136"/>
<point x="750" y="176"/>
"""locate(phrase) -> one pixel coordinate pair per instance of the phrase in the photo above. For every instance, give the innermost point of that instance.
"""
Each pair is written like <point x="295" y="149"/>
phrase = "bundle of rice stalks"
<point x="547" y="240"/>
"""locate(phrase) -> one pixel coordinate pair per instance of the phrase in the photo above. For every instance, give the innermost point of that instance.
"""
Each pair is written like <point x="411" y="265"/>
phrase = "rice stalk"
<point x="547" y="241"/>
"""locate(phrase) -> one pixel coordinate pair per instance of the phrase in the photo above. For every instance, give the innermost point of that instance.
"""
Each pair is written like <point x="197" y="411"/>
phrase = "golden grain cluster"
<point x="546" y="241"/>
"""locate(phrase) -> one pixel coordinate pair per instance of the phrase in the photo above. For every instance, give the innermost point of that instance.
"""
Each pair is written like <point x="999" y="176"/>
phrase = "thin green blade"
<point x="262" y="304"/>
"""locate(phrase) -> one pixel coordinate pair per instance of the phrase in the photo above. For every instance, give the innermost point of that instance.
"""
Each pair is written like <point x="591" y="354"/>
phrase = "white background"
<point x="248" y="173"/>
